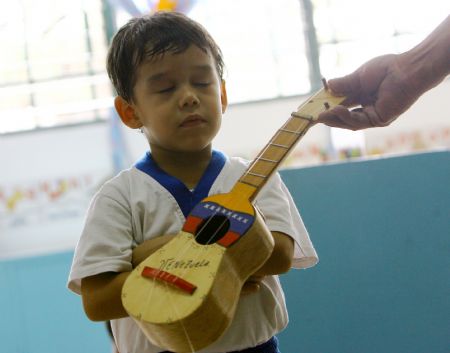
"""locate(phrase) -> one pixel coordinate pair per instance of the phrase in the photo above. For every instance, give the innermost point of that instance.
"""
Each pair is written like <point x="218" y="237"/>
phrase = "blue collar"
<point x="185" y="198"/>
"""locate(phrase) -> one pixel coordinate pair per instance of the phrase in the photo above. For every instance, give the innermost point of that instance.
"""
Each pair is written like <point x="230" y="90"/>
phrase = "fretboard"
<point x="284" y="140"/>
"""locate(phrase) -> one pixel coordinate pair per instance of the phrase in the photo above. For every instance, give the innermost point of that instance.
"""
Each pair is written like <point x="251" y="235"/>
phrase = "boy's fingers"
<point x="250" y="287"/>
<point x="253" y="284"/>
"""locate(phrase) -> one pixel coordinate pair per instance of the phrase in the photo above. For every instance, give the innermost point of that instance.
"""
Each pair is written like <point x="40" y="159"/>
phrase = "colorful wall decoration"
<point x="45" y="214"/>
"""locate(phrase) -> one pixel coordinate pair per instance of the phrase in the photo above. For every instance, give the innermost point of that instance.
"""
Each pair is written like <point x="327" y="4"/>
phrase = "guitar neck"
<point x="283" y="142"/>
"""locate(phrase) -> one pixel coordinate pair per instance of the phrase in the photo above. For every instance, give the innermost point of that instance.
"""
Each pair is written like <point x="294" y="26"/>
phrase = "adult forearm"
<point x="428" y="63"/>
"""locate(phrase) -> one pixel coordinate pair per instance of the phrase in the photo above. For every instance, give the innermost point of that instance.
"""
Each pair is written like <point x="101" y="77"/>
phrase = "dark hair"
<point x="145" y="37"/>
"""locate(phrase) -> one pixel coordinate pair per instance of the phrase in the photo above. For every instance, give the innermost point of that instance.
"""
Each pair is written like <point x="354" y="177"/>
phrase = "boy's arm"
<point x="280" y="261"/>
<point x="101" y="293"/>
<point x="148" y="247"/>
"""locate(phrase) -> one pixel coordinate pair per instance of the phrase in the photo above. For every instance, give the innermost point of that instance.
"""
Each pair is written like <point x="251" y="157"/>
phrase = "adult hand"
<point x="382" y="90"/>
<point x="386" y="86"/>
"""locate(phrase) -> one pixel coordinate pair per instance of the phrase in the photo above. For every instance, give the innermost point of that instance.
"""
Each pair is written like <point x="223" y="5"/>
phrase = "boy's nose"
<point x="188" y="99"/>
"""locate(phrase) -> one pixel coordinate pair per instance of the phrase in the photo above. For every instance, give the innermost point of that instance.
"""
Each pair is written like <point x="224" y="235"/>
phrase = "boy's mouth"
<point x="192" y="120"/>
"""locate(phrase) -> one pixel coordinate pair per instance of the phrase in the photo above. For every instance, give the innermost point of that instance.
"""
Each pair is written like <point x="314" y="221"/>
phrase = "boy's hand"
<point x="252" y="285"/>
<point x="279" y="262"/>
<point x="148" y="247"/>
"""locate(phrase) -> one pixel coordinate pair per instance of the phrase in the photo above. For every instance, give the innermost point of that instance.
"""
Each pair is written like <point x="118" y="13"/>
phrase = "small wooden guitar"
<point x="185" y="294"/>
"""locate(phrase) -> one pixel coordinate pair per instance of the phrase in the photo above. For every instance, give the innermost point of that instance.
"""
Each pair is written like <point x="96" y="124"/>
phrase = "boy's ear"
<point x="127" y="113"/>
<point x="223" y="96"/>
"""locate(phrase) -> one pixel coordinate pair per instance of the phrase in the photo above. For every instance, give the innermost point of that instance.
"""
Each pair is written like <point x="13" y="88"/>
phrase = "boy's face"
<point x="179" y="100"/>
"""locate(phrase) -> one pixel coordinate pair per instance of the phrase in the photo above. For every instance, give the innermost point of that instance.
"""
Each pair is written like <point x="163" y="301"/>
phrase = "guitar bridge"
<point x="169" y="278"/>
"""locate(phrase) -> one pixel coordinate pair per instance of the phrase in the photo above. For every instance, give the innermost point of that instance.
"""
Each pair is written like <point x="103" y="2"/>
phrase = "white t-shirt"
<point x="135" y="206"/>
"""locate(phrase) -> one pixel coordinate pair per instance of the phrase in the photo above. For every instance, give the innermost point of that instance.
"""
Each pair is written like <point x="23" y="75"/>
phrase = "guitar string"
<point x="169" y="289"/>
<point x="209" y="241"/>
<point x="189" y="341"/>
<point x="319" y="102"/>
<point x="150" y="295"/>
<point x="169" y="293"/>
<point x="265" y="149"/>
<point x="200" y="253"/>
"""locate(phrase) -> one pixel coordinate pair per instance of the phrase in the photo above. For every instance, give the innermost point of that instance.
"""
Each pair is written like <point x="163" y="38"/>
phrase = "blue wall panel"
<point x="382" y="232"/>
<point x="40" y="315"/>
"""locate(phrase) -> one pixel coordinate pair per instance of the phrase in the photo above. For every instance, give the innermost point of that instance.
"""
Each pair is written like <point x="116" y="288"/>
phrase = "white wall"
<point x="425" y="125"/>
<point x="48" y="177"/>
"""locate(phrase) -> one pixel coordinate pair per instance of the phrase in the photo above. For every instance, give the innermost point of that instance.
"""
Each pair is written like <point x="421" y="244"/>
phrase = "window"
<point x="51" y="69"/>
<point x="350" y="32"/>
<point x="263" y="46"/>
<point x="262" y="43"/>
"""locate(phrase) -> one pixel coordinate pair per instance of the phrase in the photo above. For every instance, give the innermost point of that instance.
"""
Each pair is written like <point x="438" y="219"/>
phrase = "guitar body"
<point x="185" y="294"/>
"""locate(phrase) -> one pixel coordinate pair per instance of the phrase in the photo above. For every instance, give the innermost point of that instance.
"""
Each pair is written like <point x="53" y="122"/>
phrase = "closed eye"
<point x="202" y="84"/>
<point x="167" y="90"/>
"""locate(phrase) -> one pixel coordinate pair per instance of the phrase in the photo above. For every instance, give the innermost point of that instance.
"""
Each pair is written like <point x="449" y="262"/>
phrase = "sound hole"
<point x="212" y="229"/>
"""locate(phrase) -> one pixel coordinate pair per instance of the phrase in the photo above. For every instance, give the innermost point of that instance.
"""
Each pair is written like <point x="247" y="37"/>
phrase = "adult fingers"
<point x="341" y="117"/>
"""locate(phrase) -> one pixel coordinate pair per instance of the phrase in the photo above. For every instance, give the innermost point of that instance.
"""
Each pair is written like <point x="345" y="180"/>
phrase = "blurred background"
<point x="60" y="137"/>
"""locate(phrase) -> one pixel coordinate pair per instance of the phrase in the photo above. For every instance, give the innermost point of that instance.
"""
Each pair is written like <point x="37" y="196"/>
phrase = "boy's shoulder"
<point x="238" y="162"/>
<point x="122" y="184"/>
<point x="234" y="167"/>
<point x="119" y="180"/>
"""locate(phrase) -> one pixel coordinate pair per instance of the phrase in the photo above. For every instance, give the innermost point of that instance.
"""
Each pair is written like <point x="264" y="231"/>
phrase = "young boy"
<point x="168" y="74"/>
